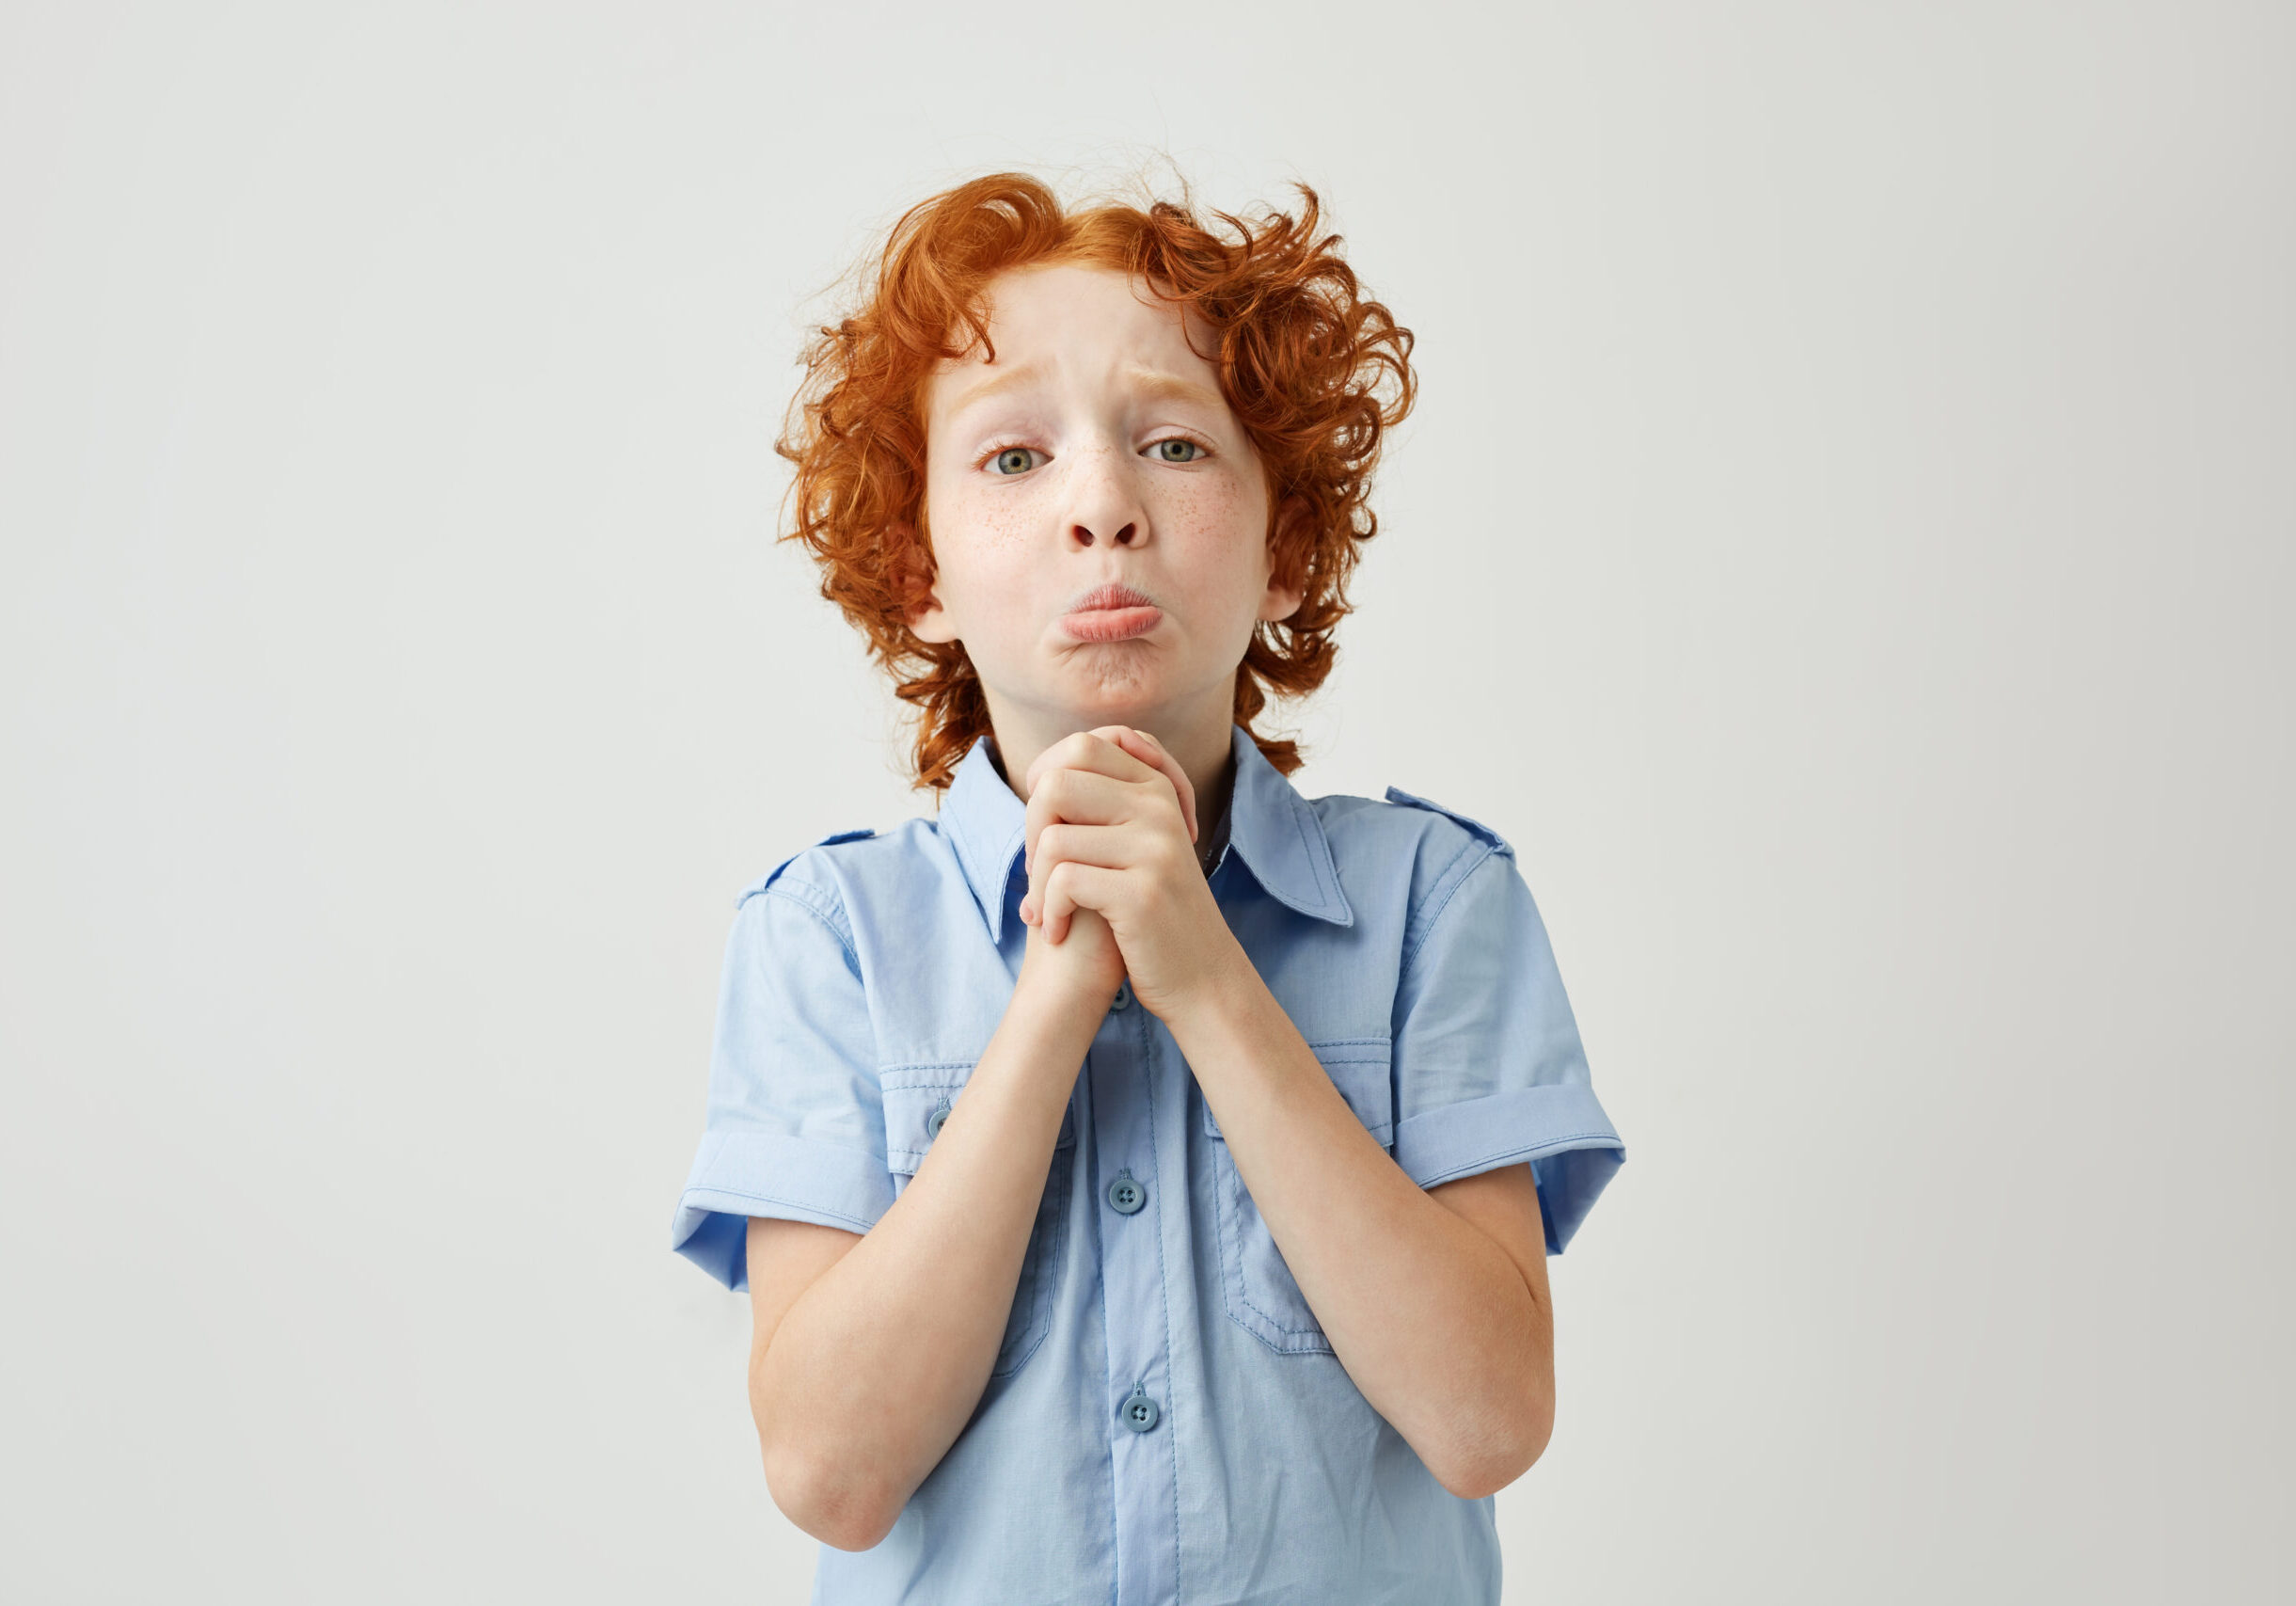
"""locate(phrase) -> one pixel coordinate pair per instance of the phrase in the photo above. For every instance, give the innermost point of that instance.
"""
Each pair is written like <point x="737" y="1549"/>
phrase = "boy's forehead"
<point x="1041" y="315"/>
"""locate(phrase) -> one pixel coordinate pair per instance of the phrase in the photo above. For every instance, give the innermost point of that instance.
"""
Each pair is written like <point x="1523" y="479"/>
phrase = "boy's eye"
<point x="1013" y="460"/>
<point x="1190" y="450"/>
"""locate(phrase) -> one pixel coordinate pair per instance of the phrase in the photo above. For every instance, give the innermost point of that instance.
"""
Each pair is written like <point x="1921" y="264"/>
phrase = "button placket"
<point x="1139" y="1109"/>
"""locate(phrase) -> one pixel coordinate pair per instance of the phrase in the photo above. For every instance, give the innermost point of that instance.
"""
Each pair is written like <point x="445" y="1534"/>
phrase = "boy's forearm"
<point x="1430" y="1317"/>
<point x="880" y="1363"/>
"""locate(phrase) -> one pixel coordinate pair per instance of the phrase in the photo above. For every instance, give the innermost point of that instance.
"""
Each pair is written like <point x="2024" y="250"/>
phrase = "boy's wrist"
<point x="1227" y="991"/>
<point x="1055" y="1019"/>
<point x="1053" y="990"/>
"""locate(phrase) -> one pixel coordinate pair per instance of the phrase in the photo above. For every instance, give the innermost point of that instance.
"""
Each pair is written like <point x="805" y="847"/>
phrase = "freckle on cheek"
<point x="1203" y="505"/>
<point x="1004" y="528"/>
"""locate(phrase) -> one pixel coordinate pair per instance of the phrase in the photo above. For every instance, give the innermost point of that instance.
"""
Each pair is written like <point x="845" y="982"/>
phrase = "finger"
<point x="1042" y="857"/>
<point x="1142" y="746"/>
<point x="1069" y="842"/>
<point x="1073" y="886"/>
<point x="1083" y="750"/>
<point x="1125" y="753"/>
<point x="1086" y="797"/>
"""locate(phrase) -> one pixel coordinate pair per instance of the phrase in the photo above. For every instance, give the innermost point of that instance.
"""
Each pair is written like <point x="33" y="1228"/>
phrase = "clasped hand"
<point x="1112" y="828"/>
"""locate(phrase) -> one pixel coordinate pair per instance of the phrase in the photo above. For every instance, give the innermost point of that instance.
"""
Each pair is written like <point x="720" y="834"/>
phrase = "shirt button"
<point x="1125" y="1195"/>
<point x="1139" y="1413"/>
<point x="1124" y="994"/>
<point x="934" y="1122"/>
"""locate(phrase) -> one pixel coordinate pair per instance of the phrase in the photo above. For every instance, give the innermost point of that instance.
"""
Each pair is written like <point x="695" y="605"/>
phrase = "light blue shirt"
<point x="1165" y="1423"/>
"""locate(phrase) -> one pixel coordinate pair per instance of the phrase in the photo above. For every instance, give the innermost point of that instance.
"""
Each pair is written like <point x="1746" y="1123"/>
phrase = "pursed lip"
<point x="1115" y="594"/>
<point x="1110" y="612"/>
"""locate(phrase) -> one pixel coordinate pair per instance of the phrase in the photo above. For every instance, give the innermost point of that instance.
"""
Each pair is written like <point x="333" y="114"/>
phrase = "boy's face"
<point x="1096" y="449"/>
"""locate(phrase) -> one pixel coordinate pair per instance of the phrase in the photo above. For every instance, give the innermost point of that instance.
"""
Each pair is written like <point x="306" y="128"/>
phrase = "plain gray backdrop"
<point x="1845" y="542"/>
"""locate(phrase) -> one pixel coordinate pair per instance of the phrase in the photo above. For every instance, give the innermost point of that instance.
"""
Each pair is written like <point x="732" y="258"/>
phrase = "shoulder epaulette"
<point x="1397" y="795"/>
<point x="766" y="881"/>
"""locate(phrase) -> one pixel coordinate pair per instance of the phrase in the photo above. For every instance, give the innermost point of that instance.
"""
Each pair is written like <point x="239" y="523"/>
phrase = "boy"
<point x="1142" y="1175"/>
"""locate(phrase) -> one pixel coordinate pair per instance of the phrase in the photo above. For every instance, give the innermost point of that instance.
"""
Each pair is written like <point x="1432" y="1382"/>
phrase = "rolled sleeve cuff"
<point x="739" y="1174"/>
<point x="1560" y="1129"/>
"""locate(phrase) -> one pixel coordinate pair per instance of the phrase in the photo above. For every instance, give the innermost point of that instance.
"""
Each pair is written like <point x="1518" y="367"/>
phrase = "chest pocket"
<point x="917" y="1100"/>
<point x="1259" y="1292"/>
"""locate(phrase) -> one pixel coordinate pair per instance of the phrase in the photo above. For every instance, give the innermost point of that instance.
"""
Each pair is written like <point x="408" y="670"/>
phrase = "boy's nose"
<point x="1106" y="508"/>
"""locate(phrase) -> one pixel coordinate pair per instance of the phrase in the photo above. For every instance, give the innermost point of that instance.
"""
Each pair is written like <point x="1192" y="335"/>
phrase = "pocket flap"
<point x="914" y="1092"/>
<point x="1357" y="1066"/>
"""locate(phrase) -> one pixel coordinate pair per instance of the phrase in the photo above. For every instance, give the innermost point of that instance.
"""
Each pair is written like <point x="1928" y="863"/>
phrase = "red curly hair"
<point x="1302" y="361"/>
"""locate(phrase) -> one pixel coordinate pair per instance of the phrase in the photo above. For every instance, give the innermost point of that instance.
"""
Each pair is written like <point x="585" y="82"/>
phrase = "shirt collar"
<point x="1269" y="826"/>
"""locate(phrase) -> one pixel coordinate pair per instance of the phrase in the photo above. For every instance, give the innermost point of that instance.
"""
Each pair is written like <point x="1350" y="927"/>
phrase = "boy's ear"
<point x="1282" y="600"/>
<point x="924" y="615"/>
<point x="929" y="621"/>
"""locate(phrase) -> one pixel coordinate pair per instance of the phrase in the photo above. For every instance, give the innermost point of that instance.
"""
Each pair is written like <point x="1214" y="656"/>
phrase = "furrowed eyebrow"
<point x="1155" y="386"/>
<point x="988" y="390"/>
<point x="1171" y="388"/>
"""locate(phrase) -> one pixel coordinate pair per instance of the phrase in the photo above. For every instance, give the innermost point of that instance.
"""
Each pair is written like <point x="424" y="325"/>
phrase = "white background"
<point x="1845" y="542"/>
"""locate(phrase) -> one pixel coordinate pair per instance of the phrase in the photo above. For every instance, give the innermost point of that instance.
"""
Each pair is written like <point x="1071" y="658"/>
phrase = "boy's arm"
<point x="1435" y="1300"/>
<point x="870" y="1351"/>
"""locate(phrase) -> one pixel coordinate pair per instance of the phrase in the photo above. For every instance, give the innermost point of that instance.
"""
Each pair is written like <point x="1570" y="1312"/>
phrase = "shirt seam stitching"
<point x="1308" y="848"/>
<point x="778" y="1199"/>
<point x="1145" y="1038"/>
<point x="836" y="903"/>
<point x="1544" y="1146"/>
<point x="1445" y="895"/>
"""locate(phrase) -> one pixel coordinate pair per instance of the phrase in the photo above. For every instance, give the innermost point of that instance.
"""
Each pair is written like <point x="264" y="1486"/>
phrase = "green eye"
<point x="1163" y="447"/>
<point x="1013" y="460"/>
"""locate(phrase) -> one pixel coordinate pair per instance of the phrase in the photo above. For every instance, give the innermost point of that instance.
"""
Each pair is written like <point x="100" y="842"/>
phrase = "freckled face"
<point x="1096" y="449"/>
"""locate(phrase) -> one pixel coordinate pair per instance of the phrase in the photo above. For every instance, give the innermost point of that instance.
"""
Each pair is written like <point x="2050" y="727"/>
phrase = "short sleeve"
<point x="795" y="1124"/>
<point x="1487" y="1062"/>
